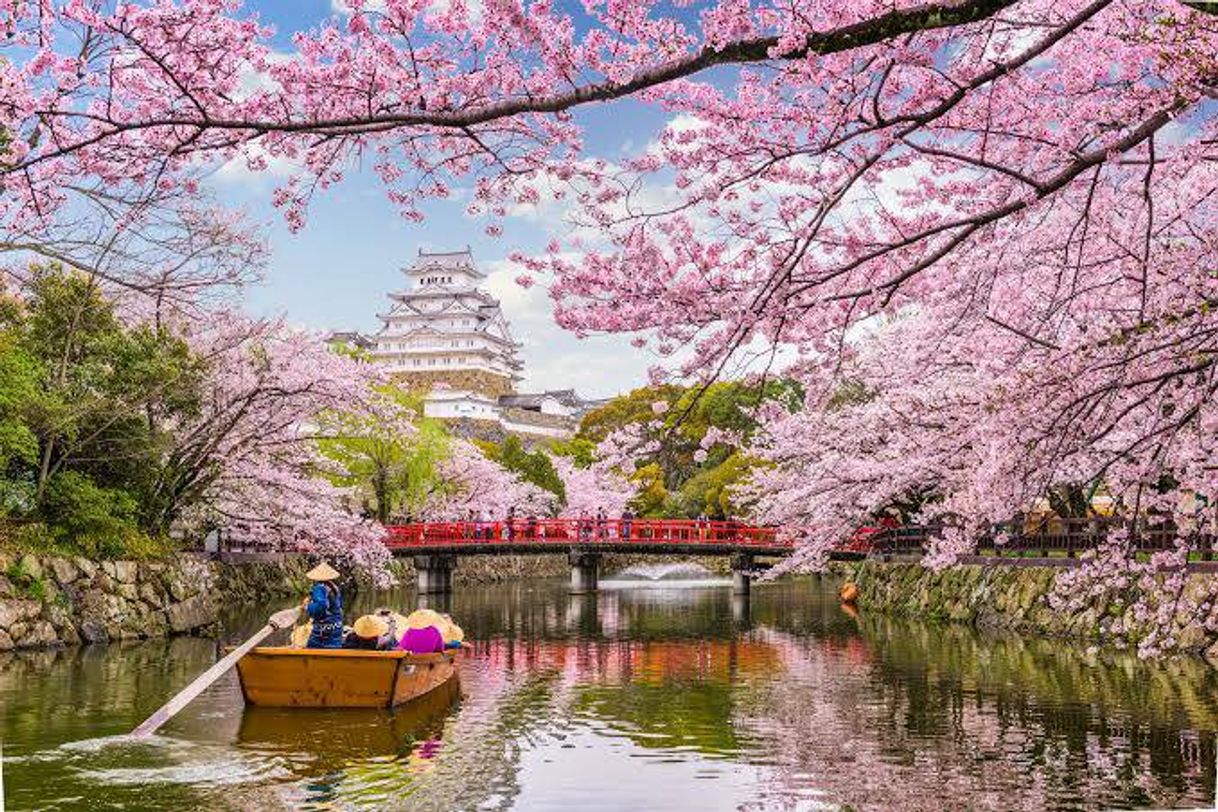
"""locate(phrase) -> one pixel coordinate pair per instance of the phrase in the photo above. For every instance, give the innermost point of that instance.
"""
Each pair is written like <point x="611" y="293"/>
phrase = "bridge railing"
<point x="1055" y="535"/>
<point x="566" y="532"/>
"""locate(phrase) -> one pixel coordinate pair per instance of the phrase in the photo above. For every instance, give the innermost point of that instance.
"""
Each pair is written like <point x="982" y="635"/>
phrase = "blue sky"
<point x="335" y="273"/>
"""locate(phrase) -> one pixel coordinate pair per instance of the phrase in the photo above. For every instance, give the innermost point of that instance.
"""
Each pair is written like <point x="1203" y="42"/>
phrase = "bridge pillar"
<point x="742" y="567"/>
<point x="584" y="571"/>
<point x="434" y="574"/>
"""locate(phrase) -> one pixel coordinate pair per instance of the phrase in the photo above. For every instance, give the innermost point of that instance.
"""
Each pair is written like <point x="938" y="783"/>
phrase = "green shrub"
<point x="129" y="543"/>
<point x="76" y="507"/>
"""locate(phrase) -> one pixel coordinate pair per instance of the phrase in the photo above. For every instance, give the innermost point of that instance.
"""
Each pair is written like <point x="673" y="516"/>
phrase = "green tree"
<point x="19" y="375"/>
<point x="652" y="496"/>
<point x="388" y="451"/>
<point x="580" y="450"/>
<point x="87" y="409"/>
<point x="531" y="466"/>
<point x="689" y="413"/>
<point x="709" y="490"/>
<point x="624" y="410"/>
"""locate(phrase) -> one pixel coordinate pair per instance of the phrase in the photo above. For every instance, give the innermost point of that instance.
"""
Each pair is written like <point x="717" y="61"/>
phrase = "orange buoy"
<point x="849" y="593"/>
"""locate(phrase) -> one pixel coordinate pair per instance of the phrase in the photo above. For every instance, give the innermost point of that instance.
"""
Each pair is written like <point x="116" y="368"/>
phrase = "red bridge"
<point x="523" y="536"/>
<point x="436" y="545"/>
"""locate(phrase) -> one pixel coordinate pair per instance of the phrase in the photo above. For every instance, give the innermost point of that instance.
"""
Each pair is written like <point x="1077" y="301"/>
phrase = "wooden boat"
<point x="283" y="677"/>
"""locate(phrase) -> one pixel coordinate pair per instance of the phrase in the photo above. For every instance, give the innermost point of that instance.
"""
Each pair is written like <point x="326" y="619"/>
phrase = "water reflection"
<point x="633" y="696"/>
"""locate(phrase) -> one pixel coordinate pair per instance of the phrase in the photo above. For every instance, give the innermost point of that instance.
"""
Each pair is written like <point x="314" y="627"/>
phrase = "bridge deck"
<point x="524" y="536"/>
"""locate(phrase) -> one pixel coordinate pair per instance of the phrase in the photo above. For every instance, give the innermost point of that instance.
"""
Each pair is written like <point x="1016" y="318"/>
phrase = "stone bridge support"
<point x="742" y="573"/>
<point x="434" y="574"/>
<point x="585" y="568"/>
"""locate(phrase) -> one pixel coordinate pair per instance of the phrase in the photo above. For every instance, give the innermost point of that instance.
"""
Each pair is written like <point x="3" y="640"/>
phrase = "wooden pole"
<point x="279" y="620"/>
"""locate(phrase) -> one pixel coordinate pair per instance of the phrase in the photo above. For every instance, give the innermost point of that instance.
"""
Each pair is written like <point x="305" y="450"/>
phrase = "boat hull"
<point x="282" y="677"/>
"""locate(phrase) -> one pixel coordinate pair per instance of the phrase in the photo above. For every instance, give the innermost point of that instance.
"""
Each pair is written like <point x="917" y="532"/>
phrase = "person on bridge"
<point x="627" y="524"/>
<point x="325" y="607"/>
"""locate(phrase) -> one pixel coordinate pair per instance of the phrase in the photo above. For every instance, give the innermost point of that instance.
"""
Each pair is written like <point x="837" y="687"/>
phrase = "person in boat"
<point x="396" y="625"/>
<point x="423" y="633"/>
<point x="454" y="635"/>
<point x="368" y="633"/>
<point x="325" y="608"/>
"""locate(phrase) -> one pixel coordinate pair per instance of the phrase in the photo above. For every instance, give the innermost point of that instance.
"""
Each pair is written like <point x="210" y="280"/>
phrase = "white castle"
<point x="443" y="334"/>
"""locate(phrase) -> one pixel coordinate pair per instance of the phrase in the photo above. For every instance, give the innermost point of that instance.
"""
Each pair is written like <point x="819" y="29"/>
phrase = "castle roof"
<point x="461" y="261"/>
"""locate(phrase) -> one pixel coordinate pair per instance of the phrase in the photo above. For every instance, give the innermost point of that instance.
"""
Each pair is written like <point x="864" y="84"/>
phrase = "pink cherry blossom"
<point x="982" y="232"/>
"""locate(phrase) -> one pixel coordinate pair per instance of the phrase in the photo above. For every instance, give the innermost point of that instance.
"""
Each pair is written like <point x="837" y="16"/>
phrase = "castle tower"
<point x="442" y="329"/>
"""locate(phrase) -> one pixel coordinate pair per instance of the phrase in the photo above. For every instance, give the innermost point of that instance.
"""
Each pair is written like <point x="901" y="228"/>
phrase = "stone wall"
<point x="48" y="601"/>
<point x="53" y="601"/>
<point x="473" y="380"/>
<point x="1016" y="598"/>
<point x="515" y="414"/>
<point x="255" y="579"/>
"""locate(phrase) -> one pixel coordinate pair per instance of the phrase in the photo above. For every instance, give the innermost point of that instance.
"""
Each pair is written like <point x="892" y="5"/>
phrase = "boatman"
<point x="325" y="608"/>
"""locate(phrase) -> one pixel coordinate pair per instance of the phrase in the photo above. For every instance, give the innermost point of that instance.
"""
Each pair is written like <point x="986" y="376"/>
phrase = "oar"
<point x="279" y="620"/>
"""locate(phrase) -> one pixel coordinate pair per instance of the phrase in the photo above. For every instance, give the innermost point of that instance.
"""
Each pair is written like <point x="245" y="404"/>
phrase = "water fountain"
<point x="666" y="575"/>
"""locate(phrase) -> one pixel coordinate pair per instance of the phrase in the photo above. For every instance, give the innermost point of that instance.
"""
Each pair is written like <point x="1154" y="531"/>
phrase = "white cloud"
<point x="251" y="80"/>
<point x="343" y="7"/>
<point x="276" y="168"/>
<point x="598" y="366"/>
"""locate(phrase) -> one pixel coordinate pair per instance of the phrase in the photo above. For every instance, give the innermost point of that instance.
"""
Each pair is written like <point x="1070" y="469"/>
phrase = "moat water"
<point x="653" y="694"/>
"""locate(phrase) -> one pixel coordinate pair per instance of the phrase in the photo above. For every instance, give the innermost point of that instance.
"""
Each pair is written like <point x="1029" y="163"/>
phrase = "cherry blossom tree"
<point x="1017" y="198"/>
<point x="248" y="463"/>
<point x="597" y="487"/>
<point x="148" y="247"/>
<point x="477" y="486"/>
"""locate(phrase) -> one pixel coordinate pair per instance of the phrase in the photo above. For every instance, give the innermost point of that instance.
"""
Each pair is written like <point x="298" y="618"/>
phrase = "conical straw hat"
<point x="451" y="631"/>
<point x="322" y="572"/>
<point x="422" y="618"/>
<point x="368" y="626"/>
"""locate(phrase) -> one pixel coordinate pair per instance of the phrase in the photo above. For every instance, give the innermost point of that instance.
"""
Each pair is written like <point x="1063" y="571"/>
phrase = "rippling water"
<point x="647" y="698"/>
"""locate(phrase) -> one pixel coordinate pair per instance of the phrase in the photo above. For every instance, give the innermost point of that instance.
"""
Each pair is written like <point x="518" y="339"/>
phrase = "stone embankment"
<point x="49" y="601"/>
<point x="1016" y="598"/>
